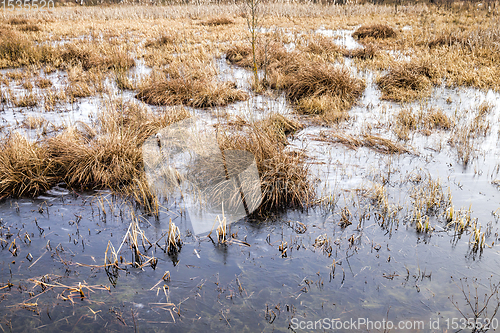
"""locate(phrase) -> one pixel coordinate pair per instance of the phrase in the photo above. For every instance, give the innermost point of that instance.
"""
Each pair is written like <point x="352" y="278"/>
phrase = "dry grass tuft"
<point x="17" y="50"/>
<point x="319" y="88"/>
<point x="408" y="81"/>
<point x="317" y="79"/>
<point x="279" y="126"/>
<point x="241" y="55"/>
<point x="367" y="52"/>
<point x="29" y="28"/>
<point x="436" y="118"/>
<point x="91" y="56"/>
<point x="43" y="83"/>
<point x="215" y="21"/>
<point x="199" y="93"/>
<point x="163" y="40"/>
<point x="374" y="142"/>
<point x="25" y="100"/>
<point x="324" y="46"/>
<point x="18" y="21"/>
<point x="407" y="121"/>
<point x="109" y="154"/>
<point x="123" y="82"/>
<point x="25" y="168"/>
<point x="445" y="40"/>
<point x="473" y="125"/>
<point x="285" y="175"/>
<point x="84" y="83"/>
<point x="378" y="31"/>
<point x="34" y="122"/>
<point x="313" y="86"/>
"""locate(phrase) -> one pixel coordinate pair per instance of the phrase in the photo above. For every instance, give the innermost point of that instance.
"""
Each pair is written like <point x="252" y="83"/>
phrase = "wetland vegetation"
<point x="375" y="133"/>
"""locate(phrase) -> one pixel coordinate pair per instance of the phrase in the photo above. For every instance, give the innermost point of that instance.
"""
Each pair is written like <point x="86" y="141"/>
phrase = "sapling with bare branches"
<point x="480" y="309"/>
<point x="251" y="11"/>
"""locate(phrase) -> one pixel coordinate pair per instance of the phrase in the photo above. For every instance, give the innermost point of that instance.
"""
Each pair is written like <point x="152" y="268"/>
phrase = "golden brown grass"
<point x="436" y="118"/>
<point x="428" y="199"/>
<point x="279" y="127"/>
<point x="408" y="81"/>
<point x="29" y="28"/>
<point x="199" y="93"/>
<point x="241" y="55"/>
<point x="325" y="107"/>
<point x="215" y="21"/>
<point x="367" y="52"/>
<point x="17" y="50"/>
<point x="375" y="142"/>
<point x="29" y="99"/>
<point x="327" y="48"/>
<point x="95" y="56"/>
<point x="84" y="83"/>
<point x="109" y="154"/>
<point x="106" y="155"/>
<point x="472" y="126"/>
<point x="445" y="40"/>
<point x="408" y="121"/>
<point x="376" y="31"/>
<point x="25" y="167"/>
<point x="43" y="83"/>
<point x="123" y="82"/>
<point x="318" y="88"/>
<point x="314" y="86"/>
<point x="163" y="40"/>
<point x="285" y="175"/>
<point x="34" y="122"/>
<point x="324" y="46"/>
<point x="18" y="21"/>
<point x="317" y="79"/>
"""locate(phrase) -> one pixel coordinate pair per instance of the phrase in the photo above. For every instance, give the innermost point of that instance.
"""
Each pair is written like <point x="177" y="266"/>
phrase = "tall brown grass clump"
<point x="107" y="154"/>
<point x="163" y="40"/>
<point x="313" y="86"/>
<point x="18" y="21"/>
<point x="220" y="20"/>
<point x="408" y="81"/>
<point x="327" y="47"/>
<point x="279" y="127"/>
<point x="317" y="79"/>
<point x="84" y="83"/>
<point x="17" y="50"/>
<point x="318" y="88"/>
<point x="367" y="52"/>
<point x="375" y="142"/>
<point x="284" y="175"/>
<point x="110" y="153"/>
<point x="241" y="55"/>
<point x="25" y="167"/>
<point x="378" y="31"/>
<point x="29" y="28"/>
<point x="195" y="92"/>
<point x="93" y="56"/>
<point x="323" y="46"/>
<point x="445" y="40"/>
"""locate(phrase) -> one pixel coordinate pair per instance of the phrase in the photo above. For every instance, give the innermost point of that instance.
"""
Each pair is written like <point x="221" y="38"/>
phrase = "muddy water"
<point x="373" y="268"/>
